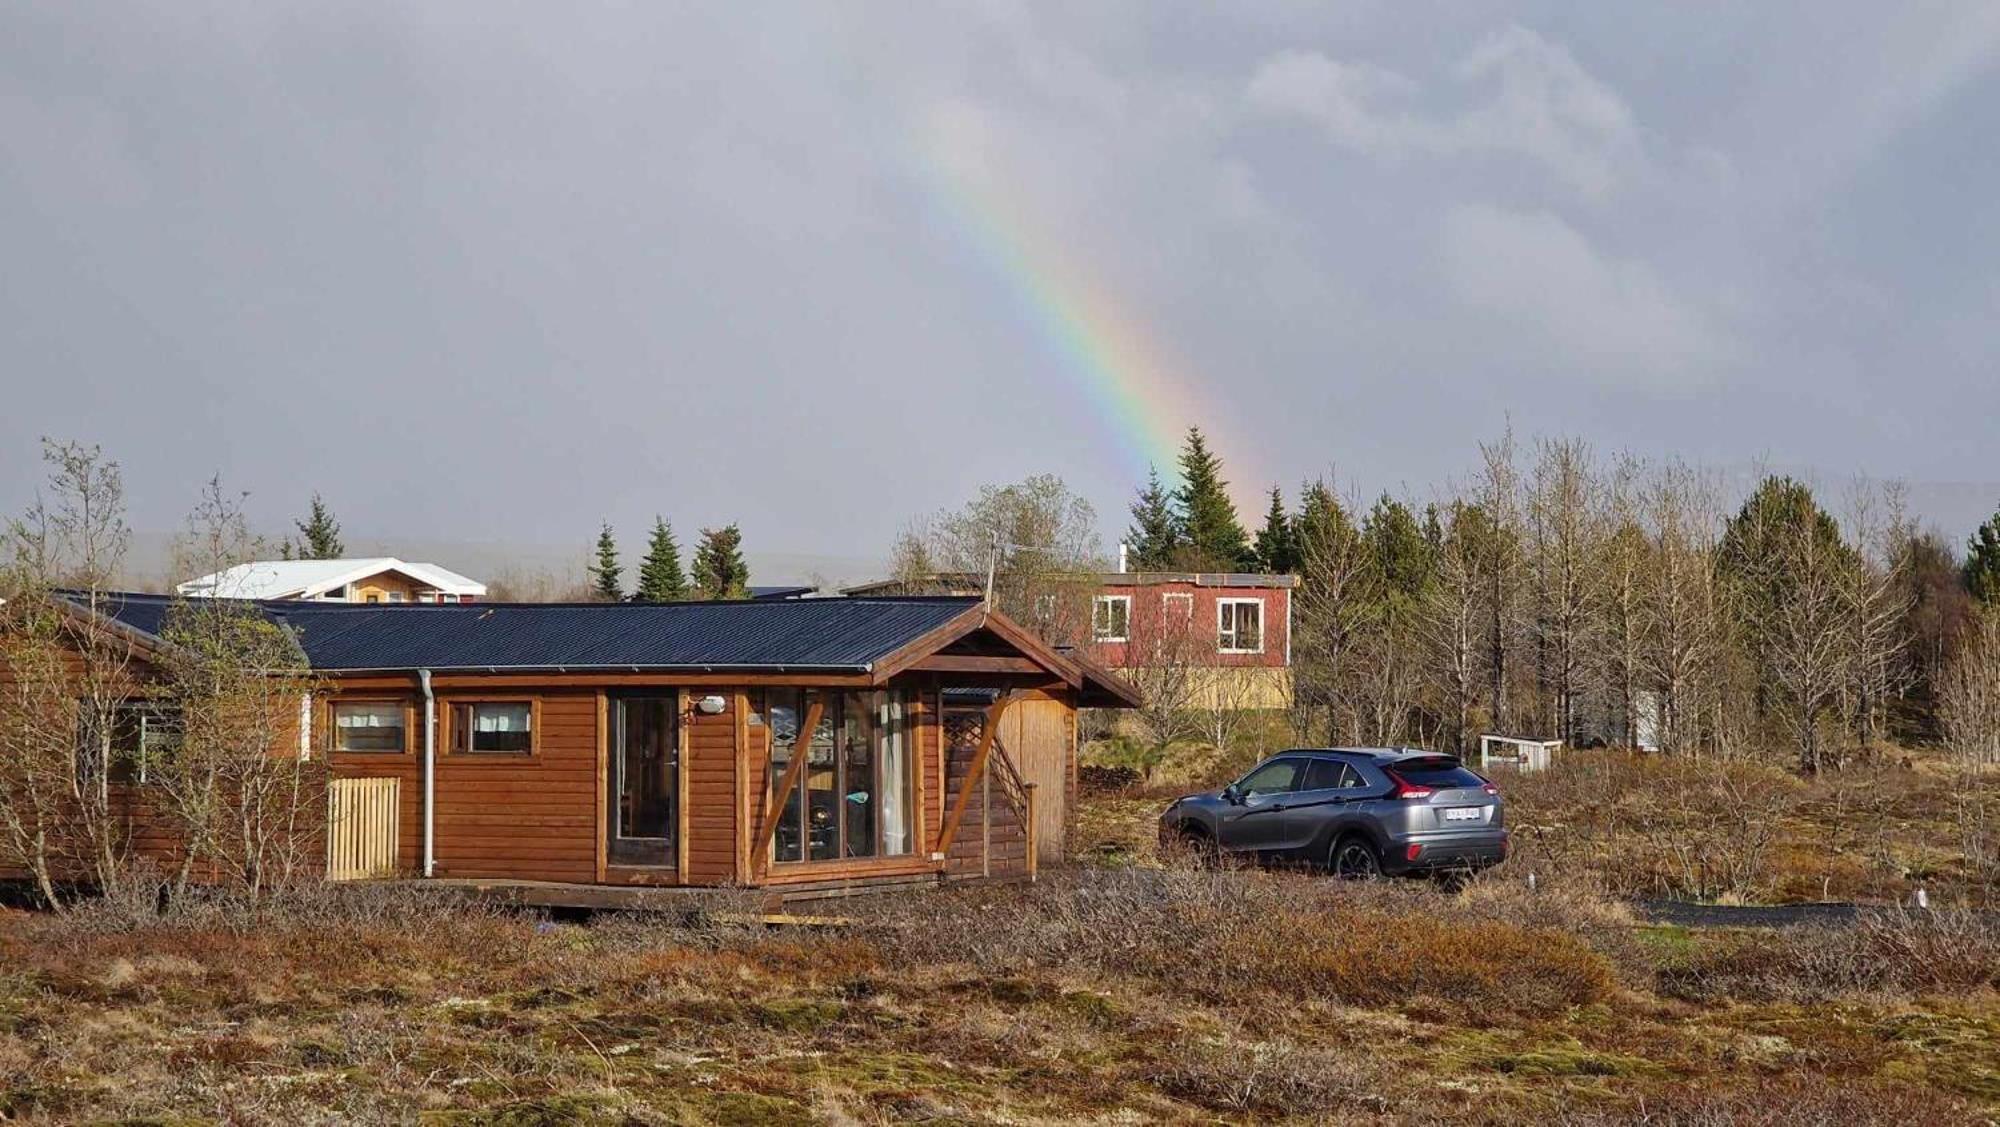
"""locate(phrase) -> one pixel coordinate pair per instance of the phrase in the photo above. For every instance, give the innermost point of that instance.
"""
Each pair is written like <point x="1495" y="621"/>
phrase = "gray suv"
<point x="1358" y="812"/>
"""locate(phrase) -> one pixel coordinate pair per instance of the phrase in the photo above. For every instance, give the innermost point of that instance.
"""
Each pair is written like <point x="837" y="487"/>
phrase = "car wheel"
<point x="1201" y="849"/>
<point x="1354" y="859"/>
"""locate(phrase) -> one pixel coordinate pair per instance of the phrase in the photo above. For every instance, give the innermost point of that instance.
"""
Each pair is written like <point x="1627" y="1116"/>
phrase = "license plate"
<point x="1462" y="814"/>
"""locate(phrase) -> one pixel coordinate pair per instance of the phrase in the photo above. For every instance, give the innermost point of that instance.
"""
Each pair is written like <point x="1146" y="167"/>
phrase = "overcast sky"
<point x="486" y="272"/>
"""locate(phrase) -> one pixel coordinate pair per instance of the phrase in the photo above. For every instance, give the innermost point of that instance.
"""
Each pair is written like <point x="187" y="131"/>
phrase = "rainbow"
<point x="1140" y="396"/>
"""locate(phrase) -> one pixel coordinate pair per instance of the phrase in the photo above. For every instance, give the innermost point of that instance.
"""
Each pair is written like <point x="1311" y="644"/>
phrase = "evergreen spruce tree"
<point x="719" y="570"/>
<point x="319" y="535"/>
<point x="1277" y="553"/>
<point x="605" y="573"/>
<point x="661" y="579"/>
<point x="1214" y="539"/>
<point x="1982" y="563"/>
<point x="1155" y="536"/>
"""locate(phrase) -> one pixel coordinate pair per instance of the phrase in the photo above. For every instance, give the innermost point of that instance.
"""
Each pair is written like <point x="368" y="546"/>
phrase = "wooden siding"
<point x="531" y="817"/>
<point x="991" y="840"/>
<point x="709" y="821"/>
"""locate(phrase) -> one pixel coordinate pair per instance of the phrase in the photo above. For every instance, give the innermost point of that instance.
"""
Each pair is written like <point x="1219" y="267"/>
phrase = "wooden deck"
<point x="760" y="902"/>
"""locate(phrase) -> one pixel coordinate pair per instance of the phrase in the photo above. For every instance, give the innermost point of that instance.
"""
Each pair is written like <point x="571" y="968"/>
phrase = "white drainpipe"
<point x="430" y="771"/>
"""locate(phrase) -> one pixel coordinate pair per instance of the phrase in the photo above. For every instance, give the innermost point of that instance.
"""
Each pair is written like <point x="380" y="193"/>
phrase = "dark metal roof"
<point x="844" y="635"/>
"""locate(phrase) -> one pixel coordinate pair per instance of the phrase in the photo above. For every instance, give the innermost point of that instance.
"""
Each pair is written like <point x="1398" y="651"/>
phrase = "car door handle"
<point x="1277" y="806"/>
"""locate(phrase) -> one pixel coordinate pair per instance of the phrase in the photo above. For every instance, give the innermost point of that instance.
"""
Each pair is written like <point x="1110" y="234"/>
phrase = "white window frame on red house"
<point x="1100" y="631"/>
<point x="1226" y="636"/>
<point x="1167" y="601"/>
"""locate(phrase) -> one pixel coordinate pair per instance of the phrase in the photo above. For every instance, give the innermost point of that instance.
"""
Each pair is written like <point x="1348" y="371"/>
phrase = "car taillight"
<point x="1403" y="788"/>
<point x="1492" y="790"/>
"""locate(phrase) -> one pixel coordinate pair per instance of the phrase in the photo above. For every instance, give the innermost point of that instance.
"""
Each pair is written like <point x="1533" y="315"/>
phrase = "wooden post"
<point x="987" y="733"/>
<point x="801" y="748"/>
<point x="1034" y="847"/>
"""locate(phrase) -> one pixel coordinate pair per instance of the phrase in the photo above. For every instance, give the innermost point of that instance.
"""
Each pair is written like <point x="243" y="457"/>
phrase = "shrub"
<point x="1278" y="1078"/>
<point x="1889" y="952"/>
<point x="1217" y="935"/>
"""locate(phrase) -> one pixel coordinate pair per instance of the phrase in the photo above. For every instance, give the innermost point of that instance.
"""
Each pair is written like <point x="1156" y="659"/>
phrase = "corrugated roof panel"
<point x="820" y="633"/>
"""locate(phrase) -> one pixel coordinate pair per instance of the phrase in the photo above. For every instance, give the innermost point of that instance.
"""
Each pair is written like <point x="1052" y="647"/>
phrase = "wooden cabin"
<point x="809" y="744"/>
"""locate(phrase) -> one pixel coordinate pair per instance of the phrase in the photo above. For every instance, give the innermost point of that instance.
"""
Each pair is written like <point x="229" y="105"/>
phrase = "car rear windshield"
<point x="1440" y="772"/>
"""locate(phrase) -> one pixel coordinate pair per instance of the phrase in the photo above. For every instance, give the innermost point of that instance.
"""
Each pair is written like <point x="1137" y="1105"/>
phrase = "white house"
<point x="384" y="579"/>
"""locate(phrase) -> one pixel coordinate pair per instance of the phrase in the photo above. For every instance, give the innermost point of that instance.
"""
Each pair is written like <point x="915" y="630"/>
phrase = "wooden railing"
<point x="363" y="817"/>
<point x="1019" y="794"/>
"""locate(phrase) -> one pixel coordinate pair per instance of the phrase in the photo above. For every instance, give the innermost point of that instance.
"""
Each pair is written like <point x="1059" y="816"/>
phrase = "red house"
<point x="1236" y="628"/>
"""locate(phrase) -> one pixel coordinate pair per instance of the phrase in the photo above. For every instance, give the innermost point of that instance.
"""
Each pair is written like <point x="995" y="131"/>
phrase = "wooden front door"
<point x="644" y="782"/>
<point x="1036" y="733"/>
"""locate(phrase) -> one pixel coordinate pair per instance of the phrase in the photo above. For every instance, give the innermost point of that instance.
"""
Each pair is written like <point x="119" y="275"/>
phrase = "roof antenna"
<point x="992" y="565"/>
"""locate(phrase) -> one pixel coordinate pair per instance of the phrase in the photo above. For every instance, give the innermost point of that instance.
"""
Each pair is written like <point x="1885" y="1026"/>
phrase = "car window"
<point x="1279" y="776"/>
<point x="1329" y="774"/>
<point x="1441" y="771"/>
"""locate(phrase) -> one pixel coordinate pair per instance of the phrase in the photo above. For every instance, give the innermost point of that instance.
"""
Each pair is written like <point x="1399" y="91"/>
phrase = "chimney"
<point x="1123" y="551"/>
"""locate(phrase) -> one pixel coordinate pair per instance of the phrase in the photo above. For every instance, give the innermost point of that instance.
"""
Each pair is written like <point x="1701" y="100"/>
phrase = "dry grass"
<point x="1750" y="831"/>
<point x="1108" y="995"/>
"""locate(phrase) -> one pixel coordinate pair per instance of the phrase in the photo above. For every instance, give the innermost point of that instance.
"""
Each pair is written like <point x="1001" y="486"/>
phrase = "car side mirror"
<point x="1232" y="795"/>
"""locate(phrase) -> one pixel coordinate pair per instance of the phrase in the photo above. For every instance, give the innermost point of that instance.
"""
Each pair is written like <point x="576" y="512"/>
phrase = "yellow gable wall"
<point x="382" y="584"/>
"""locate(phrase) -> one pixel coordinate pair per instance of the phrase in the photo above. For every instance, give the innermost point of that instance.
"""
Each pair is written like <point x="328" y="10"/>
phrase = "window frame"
<point x="1097" y="601"/>
<point x="329" y="718"/>
<point x="450" y="722"/>
<point x="1228" y="642"/>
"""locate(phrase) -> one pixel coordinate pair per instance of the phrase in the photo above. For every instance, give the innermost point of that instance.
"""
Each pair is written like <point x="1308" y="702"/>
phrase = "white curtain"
<point x="893" y="756"/>
<point x="368" y="716"/>
<point x="502" y="718"/>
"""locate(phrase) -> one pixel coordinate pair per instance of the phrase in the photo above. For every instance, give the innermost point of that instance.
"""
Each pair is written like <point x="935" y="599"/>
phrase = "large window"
<point x="1111" y="618"/>
<point x="369" y="725"/>
<point x="852" y="795"/>
<point x="493" y="728"/>
<point x="1239" y="626"/>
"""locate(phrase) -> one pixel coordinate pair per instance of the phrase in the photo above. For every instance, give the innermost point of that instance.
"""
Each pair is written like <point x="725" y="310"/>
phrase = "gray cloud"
<point x="494" y="273"/>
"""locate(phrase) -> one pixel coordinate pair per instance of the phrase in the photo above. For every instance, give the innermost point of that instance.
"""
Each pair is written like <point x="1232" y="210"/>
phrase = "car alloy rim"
<point x="1355" y="861"/>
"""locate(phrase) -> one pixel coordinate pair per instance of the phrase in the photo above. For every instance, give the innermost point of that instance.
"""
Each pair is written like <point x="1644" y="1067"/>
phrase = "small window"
<point x="1279" y="776"/>
<point x="1178" y="608"/>
<point x="374" y="598"/>
<point x="426" y="596"/>
<point x="493" y="728"/>
<point x="1240" y="626"/>
<point x="1111" y="618"/>
<point x="395" y="596"/>
<point x="142" y="735"/>
<point x="1330" y="774"/>
<point x="373" y="725"/>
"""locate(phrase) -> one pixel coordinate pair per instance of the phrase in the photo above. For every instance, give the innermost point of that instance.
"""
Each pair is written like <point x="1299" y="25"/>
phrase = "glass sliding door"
<point x="853" y="795"/>
<point x="645" y="780"/>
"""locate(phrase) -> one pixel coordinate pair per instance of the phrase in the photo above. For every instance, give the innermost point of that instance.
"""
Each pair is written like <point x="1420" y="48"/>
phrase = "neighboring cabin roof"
<point x="307" y="579"/>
